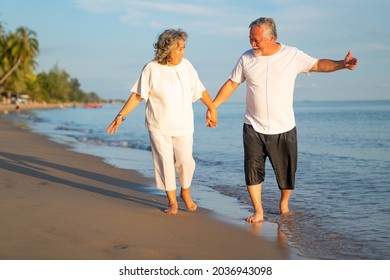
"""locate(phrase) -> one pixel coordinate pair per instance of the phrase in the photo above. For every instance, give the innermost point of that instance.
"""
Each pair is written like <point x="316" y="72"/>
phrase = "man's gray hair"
<point x="268" y="25"/>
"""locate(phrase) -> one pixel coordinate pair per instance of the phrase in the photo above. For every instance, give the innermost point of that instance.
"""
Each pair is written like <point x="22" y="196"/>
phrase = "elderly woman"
<point x="169" y="84"/>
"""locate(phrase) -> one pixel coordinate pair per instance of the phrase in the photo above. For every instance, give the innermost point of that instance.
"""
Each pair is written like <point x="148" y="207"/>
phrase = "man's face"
<point x="257" y="41"/>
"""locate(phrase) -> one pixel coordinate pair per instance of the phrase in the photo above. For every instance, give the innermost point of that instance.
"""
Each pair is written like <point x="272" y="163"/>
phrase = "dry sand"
<point x="56" y="204"/>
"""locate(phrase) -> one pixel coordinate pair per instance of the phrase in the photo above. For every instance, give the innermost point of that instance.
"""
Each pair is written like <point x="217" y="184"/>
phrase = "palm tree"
<point x="18" y="52"/>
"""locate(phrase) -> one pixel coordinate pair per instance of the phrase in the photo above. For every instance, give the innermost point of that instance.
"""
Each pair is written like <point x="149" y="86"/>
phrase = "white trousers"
<point x="170" y="154"/>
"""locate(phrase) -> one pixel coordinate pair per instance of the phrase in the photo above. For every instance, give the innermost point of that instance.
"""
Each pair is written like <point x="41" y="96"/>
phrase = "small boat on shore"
<point x="93" y="105"/>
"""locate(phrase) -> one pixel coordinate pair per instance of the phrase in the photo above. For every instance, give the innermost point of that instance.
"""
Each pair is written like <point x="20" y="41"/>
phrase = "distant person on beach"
<point x="169" y="84"/>
<point x="269" y="70"/>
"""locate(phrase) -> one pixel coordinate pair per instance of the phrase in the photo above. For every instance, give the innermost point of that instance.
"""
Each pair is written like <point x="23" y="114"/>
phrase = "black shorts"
<point x="282" y="151"/>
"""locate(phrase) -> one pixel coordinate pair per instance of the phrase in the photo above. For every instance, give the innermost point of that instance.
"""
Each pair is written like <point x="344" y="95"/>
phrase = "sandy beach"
<point x="11" y="108"/>
<point x="57" y="204"/>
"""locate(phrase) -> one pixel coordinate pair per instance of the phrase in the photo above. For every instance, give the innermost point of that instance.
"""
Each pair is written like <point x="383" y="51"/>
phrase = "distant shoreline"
<point x="12" y="108"/>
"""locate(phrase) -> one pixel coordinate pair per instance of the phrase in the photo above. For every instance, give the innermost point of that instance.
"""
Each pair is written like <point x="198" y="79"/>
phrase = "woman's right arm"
<point x="131" y="103"/>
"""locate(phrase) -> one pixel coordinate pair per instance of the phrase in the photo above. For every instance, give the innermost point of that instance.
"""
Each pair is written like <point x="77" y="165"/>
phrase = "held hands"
<point x="350" y="62"/>
<point x="211" y="118"/>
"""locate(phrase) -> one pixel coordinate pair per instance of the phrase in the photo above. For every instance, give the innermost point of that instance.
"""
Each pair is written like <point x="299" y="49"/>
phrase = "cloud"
<point x="124" y="7"/>
<point x="225" y="18"/>
<point x="176" y="8"/>
<point x="376" y="47"/>
<point x="384" y="85"/>
<point x="98" y="6"/>
<point x="379" y="33"/>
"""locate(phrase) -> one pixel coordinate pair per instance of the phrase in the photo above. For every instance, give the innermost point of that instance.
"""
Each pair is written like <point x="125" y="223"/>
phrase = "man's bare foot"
<point x="190" y="204"/>
<point x="287" y="214"/>
<point x="284" y="210"/>
<point x="172" y="210"/>
<point x="284" y="198"/>
<point x="255" y="218"/>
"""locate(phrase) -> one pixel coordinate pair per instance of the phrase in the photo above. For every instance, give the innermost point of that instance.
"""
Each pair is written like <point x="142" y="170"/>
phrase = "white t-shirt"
<point x="169" y="92"/>
<point x="270" y="82"/>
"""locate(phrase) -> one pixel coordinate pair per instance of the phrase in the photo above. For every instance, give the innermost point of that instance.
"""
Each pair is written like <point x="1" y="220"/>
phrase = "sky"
<point x="105" y="43"/>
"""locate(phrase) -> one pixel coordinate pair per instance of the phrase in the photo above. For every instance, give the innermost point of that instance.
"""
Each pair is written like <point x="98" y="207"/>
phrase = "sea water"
<point x="340" y="206"/>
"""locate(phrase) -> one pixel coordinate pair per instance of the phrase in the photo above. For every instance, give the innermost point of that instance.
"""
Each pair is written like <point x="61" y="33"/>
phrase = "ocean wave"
<point x="113" y="143"/>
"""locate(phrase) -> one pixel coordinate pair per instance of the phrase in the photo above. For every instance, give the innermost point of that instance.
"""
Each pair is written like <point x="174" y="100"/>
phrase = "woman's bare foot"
<point x="172" y="209"/>
<point x="172" y="202"/>
<point x="255" y="218"/>
<point x="190" y="204"/>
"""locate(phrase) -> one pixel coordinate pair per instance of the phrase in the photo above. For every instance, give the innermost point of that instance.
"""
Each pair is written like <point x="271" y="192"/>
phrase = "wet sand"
<point x="57" y="204"/>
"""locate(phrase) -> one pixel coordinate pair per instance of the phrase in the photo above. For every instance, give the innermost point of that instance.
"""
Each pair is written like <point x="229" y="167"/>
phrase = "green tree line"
<point x="18" y="53"/>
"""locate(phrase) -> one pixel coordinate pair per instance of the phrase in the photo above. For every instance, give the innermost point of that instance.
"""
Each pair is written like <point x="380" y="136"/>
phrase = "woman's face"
<point x="177" y="53"/>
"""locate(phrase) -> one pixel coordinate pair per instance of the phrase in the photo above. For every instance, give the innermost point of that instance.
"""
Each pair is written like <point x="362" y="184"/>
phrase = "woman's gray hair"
<point x="166" y="42"/>
<point x="268" y="23"/>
